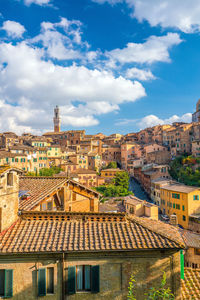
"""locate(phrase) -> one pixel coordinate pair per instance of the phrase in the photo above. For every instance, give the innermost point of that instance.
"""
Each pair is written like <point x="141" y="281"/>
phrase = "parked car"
<point x="164" y="217"/>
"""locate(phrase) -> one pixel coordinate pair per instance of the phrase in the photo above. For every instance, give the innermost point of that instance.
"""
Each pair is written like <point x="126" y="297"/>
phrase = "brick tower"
<point x="56" y="119"/>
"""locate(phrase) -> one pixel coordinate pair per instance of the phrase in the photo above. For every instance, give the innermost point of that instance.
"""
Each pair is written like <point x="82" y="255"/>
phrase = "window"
<point x="197" y="251"/>
<point x="10" y="179"/>
<point x="177" y="206"/>
<point x="45" y="281"/>
<point x="44" y="206"/>
<point x="184" y="218"/>
<point x="50" y="280"/>
<point x="183" y="207"/>
<point x="6" y="283"/>
<point x="176" y="196"/>
<point x="173" y="205"/>
<point x="49" y="205"/>
<point x="83" y="278"/>
<point x="196" y="197"/>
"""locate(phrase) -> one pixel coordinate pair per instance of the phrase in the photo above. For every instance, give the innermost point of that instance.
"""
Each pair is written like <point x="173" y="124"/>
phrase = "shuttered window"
<point x="6" y="283"/>
<point x="45" y="281"/>
<point x="50" y="280"/>
<point x="95" y="279"/>
<point x="41" y="282"/>
<point x="71" y="284"/>
<point x="83" y="278"/>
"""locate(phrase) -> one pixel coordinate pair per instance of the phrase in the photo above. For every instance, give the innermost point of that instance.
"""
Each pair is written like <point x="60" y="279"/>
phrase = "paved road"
<point x="138" y="191"/>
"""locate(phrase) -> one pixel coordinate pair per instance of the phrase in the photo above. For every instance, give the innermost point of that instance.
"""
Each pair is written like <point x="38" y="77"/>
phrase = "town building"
<point x="152" y="172"/>
<point x="192" y="253"/>
<point x="88" y="177"/>
<point x="56" y="119"/>
<point x="196" y="148"/>
<point x="110" y="173"/>
<point x="140" y="208"/>
<point x="111" y="153"/>
<point x="156" y="185"/>
<point x="63" y="255"/>
<point x="56" y="194"/>
<point x="180" y="200"/>
<point x="8" y="139"/>
<point x="196" y="114"/>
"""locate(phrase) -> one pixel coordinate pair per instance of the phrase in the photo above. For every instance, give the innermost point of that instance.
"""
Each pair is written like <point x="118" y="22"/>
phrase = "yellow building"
<point x="110" y="173"/>
<point x="180" y="200"/>
<point x="54" y="151"/>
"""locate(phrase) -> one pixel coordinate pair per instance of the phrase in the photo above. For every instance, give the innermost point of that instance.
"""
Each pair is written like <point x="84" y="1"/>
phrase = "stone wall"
<point x="8" y="201"/>
<point x="115" y="272"/>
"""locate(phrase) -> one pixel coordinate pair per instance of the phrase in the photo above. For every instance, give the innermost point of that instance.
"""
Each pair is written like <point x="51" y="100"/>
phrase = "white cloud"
<point x="13" y="29"/>
<point x="156" y="48"/>
<point x="153" y="120"/>
<point x="34" y="87"/>
<point x="184" y="15"/>
<point x="59" y="45"/>
<point x="38" y="2"/>
<point x="143" y="75"/>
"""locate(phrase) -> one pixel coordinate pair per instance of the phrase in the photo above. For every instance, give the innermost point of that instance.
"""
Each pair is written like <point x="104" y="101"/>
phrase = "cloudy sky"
<point x="111" y="65"/>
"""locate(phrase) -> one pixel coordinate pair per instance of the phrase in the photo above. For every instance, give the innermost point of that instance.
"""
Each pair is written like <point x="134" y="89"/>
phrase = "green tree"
<point x="154" y="293"/>
<point x="122" y="179"/>
<point x="111" y="165"/>
<point x="182" y="170"/>
<point x="49" y="171"/>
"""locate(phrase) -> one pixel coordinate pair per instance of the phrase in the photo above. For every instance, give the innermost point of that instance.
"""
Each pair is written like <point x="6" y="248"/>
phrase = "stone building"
<point x="181" y="200"/>
<point x="56" y="194"/>
<point x="72" y="255"/>
<point x="87" y="256"/>
<point x="192" y="253"/>
<point x="140" y="208"/>
<point x="196" y="114"/>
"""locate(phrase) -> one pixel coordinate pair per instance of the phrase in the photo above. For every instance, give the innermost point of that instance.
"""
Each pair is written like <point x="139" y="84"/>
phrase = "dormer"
<point x="9" y="202"/>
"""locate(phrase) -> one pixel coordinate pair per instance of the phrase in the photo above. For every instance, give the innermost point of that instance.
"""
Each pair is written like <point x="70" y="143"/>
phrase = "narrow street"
<point x="137" y="190"/>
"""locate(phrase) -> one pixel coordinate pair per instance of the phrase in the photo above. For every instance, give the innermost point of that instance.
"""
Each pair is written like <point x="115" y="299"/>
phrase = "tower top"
<point x="56" y="119"/>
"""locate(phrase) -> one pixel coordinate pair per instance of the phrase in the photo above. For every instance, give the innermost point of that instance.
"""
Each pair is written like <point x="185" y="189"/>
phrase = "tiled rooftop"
<point x="191" y="239"/>
<point x="39" y="188"/>
<point x="42" y="187"/>
<point x="84" y="234"/>
<point x="180" y="188"/>
<point x="190" y="286"/>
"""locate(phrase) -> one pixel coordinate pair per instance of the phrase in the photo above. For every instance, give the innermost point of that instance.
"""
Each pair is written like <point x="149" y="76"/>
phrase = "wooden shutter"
<point x="71" y="284"/>
<point x="8" y="283"/>
<point x="41" y="282"/>
<point x="95" y="279"/>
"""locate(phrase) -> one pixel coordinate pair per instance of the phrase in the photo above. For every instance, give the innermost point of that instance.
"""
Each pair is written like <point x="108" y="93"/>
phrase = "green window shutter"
<point x="71" y="284"/>
<point x="182" y="264"/>
<point x="95" y="279"/>
<point x="41" y="282"/>
<point x="8" y="283"/>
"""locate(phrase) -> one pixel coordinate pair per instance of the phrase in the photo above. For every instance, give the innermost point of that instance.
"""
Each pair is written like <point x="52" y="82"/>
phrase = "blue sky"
<point x="111" y="65"/>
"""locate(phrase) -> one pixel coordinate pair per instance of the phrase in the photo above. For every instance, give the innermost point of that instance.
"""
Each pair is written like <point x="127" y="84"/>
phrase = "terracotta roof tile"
<point x="190" y="285"/>
<point x="78" y="234"/>
<point x="39" y="188"/>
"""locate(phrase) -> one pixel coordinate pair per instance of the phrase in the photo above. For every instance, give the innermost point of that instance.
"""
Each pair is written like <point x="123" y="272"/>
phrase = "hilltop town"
<point x="79" y="213"/>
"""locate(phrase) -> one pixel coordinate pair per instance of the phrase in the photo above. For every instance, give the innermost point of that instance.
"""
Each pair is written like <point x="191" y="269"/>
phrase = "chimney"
<point x="173" y="220"/>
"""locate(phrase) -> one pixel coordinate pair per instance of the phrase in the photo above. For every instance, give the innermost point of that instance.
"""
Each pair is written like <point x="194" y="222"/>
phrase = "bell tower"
<point x="56" y="119"/>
